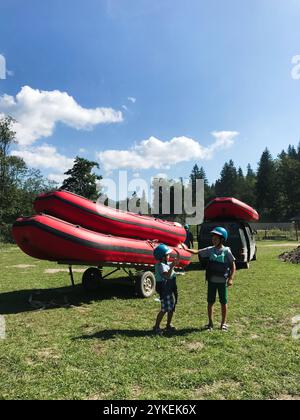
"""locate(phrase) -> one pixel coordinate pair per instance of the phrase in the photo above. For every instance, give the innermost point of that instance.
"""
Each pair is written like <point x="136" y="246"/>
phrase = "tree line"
<point x="273" y="188"/>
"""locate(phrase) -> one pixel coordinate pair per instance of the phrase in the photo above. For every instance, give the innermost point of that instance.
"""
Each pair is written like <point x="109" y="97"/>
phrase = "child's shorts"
<point x="222" y="290"/>
<point x="167" y="303"/>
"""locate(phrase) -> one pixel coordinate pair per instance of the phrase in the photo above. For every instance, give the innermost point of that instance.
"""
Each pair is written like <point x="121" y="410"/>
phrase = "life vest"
<point x="218" y="265"/>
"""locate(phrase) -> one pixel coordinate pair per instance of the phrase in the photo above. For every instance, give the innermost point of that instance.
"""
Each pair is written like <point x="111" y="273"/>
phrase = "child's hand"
<point x="230" y="283"/>
<point x="193" y="251"/>
<point x="177" y="258"/>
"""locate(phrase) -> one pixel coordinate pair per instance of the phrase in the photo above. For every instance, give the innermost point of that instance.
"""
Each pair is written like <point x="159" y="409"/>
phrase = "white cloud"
<point x="224" y="140"/>
<point x="82" y="150"/>
<point x="45" y="157"/>
<point x="131" y="99"/>
<point x="158" y="154"/>
<point x="59" y="178"/>
<point x="37" y="113"/>
<point x="3" y="70"/>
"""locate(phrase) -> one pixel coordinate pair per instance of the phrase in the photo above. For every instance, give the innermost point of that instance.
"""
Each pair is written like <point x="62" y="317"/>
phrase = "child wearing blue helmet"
<point x="220" y="273"/>
<point x="165" y="285"/>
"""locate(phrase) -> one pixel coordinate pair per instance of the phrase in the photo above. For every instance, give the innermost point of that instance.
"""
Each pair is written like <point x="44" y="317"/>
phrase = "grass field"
<point x="101" y="347"/>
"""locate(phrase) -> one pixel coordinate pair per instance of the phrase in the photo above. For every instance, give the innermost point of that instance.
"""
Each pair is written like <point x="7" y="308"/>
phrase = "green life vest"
<point x="218" y="265"/>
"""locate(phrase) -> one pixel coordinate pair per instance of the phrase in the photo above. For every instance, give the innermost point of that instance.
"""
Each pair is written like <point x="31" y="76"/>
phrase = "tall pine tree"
<point x="199" y="173"/>
<point x="267" y="191"/>
<point x="227" y="185"/>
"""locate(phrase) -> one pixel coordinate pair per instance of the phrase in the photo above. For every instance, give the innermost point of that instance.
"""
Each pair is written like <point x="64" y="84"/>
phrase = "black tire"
<point x="145" y="284"/>
<point x="91" y="279"/>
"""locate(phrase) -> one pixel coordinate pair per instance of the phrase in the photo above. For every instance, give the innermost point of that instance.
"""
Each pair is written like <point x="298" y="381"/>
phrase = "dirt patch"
<point x="195" y="346"/>
<point x="43" y="355"/>
<point x="220" y="390"/>
<point x="276" y="245"/>
<point x="191" y="371"/>
<point x="136" y="392"/>
<point x="63" y="270"/>
<point x="48" y="354"/>
<point x="99" y="349"/>
<point x="292" y="256"/>
<point x="288" y="397"/>
<point x="4" y="251"/>
<point x="100" y="396"/>
<point x="82" y="309"/>
<point x="21" y="266"/>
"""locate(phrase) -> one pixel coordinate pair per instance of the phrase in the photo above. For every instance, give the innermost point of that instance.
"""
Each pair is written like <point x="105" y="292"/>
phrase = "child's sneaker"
<point x="209" y="327"/>
<point x="224" y="327"/>
<point x="170" y="329"/>
<point x="157" y="331"/>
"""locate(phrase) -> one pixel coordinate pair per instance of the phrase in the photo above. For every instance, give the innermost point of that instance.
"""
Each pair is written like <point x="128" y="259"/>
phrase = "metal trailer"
<point x="141" y="274"/>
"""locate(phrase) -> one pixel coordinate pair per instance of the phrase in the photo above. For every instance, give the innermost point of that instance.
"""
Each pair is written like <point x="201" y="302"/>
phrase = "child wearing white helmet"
<point x="220" y="272"/>
<point x="165" y="285"/>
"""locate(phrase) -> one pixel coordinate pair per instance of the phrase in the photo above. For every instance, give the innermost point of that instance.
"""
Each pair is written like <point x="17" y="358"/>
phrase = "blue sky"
<point x="193" y="67"/>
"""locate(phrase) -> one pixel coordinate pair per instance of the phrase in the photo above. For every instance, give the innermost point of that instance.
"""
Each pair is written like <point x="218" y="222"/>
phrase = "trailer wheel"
<point x="243" y="266"/>
<point x="145" y="284"/>
<point x="91" y="279"/>
<point x="255" y="255"/>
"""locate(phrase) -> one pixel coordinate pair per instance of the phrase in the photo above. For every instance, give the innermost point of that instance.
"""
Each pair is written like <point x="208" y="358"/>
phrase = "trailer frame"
<point x="144" y="277"/>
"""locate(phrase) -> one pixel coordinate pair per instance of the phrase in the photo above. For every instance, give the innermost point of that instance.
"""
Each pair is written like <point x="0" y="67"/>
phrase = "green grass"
<point x="100" y="347"/>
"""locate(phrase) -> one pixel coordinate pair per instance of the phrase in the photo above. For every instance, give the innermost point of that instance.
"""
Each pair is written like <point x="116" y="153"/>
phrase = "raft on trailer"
<point x="48" y="238"/>
<point x="230" y="208"/>
<point x="99" y="218"/>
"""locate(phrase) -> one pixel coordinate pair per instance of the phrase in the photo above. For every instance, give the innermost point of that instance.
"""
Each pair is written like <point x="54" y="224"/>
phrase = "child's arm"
<point x="169" y="273"/>
<point x="193" y="251"/>
<point x="232" y="274"/>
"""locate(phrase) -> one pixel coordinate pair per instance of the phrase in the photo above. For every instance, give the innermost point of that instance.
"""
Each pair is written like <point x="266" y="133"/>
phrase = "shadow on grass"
<point x="111" y="334"/>
<point x="29" y="300"/>
<point x="195" y="266"/>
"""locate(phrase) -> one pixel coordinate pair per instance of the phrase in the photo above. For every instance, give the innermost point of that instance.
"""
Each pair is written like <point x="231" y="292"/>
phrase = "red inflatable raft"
<point x="103" y="219"/>
<point x="230" y="208"/>
<point x="47" y="238"/>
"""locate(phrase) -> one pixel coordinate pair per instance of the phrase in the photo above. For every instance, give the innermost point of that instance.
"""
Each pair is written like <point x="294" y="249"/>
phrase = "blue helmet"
<point x="186" y="227"/>
<point x="220" y="231"/>
<point x="161" y="251"/>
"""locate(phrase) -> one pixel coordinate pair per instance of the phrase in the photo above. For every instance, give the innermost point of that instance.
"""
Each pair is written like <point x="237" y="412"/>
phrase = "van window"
<point x="232" y="228"/>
